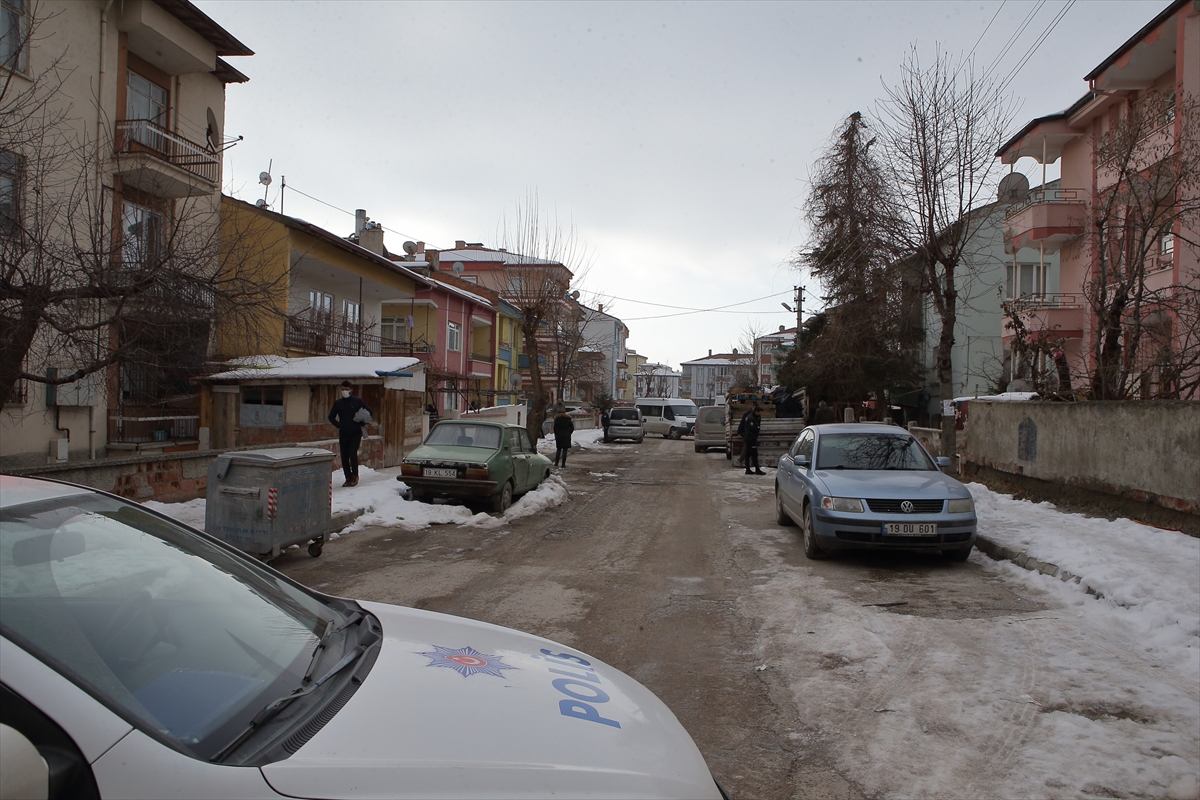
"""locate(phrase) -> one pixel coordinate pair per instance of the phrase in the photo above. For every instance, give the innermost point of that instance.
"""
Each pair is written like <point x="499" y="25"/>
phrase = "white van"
<point x="670" y="416"/>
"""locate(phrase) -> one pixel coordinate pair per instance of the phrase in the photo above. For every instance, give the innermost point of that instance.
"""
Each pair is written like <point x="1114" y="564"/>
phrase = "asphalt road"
<point x="796" y="678"/>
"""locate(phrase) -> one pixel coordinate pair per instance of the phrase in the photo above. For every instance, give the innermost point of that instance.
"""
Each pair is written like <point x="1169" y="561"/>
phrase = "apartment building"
<point x="109" y="180"/>
<point x="1123" y="322"/>
<point x="706" y="380"/>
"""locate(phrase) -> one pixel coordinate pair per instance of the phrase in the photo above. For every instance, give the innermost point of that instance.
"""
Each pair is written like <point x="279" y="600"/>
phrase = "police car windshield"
<point x="180" y="637"/>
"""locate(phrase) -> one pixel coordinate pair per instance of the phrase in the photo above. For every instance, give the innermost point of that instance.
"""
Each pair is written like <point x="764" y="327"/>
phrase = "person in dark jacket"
<point x="824" y="414"/>
<point x="348" y="416"/>
<point x="564" y="426"/>
<point x="748" y="429"/>
<point x="604" y="420"/>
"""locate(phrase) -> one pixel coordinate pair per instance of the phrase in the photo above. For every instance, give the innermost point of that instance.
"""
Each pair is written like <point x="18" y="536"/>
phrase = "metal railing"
<point x="1050" y="300"/>
<point x="1039" y="196"/>
<point x="333" y="334"/>
<point x="143" y="136"/>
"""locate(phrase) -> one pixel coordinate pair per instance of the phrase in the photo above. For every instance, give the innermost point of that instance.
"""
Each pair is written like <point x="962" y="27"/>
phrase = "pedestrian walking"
<point x="748" y="429"/>
<point x="604" y="422"/>
<point x="824" y="414"/>
<point x="350" y="416"/>
<point x="564" y="426"/>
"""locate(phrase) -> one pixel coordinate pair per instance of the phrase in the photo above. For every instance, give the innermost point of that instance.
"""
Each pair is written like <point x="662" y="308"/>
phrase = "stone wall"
<point x="1142" y="450"/>
<point x="174" y="477"/>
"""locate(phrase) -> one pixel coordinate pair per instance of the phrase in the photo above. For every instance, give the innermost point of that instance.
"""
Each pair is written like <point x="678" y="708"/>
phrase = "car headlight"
<point x="842" y="504"/>
<point x="961" y="506"/>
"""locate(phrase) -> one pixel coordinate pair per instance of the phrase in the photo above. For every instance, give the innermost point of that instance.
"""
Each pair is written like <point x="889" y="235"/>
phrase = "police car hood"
<point x="464" y="709"/>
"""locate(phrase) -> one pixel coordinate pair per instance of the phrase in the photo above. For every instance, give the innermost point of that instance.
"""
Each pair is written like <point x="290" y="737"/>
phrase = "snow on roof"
<point x="494" y="256"/>
<point x="1003" y="397"/>
<point x="261" y="368"/>
<point x="720" y="361"/>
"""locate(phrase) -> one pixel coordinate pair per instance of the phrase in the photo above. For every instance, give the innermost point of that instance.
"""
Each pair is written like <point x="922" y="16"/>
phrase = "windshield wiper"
<point x="275" y="706"/>
<point x="323" y="642"/>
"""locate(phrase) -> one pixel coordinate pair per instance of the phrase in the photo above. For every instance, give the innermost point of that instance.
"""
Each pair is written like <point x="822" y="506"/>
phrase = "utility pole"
<point x="799" y="310"/>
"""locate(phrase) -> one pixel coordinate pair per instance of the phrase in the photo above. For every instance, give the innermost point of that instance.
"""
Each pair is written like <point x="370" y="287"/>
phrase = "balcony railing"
<point x="333" y="334"/>
<point x="482" y="357"/>
<point x="1039" y="196"/>
<point x="143" y="136"/>
<point x="1050" y="300"/>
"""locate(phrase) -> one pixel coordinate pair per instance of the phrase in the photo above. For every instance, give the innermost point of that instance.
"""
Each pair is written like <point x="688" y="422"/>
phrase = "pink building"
<point x="1122" y="257"/>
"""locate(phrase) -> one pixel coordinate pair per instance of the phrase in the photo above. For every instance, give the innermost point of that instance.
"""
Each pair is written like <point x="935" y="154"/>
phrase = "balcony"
<point x="164" y="164"/>
<point x="1049" y="218"/>
<point x="1055" y="315"/>
<point x="334" y="335"/>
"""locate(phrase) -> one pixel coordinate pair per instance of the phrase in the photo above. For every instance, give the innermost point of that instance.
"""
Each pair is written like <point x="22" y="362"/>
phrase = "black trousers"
<point x="750" y="454"/>
<point x="348" y="442"/>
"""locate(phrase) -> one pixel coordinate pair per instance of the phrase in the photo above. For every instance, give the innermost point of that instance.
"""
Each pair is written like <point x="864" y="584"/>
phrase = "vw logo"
<point x="907" y="507"/>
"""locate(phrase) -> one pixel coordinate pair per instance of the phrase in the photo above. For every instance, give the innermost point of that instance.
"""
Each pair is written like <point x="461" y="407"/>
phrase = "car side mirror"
<point x="801" y="460"/>
<point x="26" y="773"/>
<point x="943" y="462"/>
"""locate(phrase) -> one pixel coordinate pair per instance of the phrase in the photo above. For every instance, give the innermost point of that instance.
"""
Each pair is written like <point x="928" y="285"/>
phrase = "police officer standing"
<point x="350" y="414"/>
<point x="748" y="430"/>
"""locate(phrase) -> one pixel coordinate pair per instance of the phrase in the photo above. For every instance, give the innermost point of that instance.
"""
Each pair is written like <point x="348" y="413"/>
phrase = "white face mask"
<point x="345" y="392"/>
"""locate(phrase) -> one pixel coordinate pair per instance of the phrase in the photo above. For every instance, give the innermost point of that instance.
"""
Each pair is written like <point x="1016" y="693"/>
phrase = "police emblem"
<point x="466" y="661"/>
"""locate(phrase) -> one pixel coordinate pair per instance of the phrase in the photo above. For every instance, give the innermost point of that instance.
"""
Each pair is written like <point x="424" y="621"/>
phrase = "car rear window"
<point x="623" y="414"/>
<point x="465" y="435"/>
<point x="711" y="414"/>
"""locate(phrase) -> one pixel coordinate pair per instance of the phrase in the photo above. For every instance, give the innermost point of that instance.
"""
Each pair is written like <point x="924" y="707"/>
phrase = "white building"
<point x="658" y="380"/>
<point x="707" y="380"/>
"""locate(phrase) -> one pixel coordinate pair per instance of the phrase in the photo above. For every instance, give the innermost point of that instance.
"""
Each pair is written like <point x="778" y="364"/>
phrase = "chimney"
<point x="420" y="247"/>
<point x="360" y="220"/>
<point x="371" y="237"/>
<point x="459" y="244"/>
<point x="434" y="257"/>
<point x="600" y="308"/>
<point x="735" y="351"/>
<point x="710" y="353"/>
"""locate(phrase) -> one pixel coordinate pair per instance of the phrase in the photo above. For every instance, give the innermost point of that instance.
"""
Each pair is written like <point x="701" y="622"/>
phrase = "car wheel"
<point x="957" y="554"/>
<point x="781" y="516"/>
<point x="502" y="501"/>
<point x="675" y="433"/>
<point x="811" y="550"/>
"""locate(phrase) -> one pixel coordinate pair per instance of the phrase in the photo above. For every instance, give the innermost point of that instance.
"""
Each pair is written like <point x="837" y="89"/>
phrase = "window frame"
<point x="454" y="337"/>
<point x="18" y="61"/>
<point x="12" y="171"/>
<point x="153" y="249"/>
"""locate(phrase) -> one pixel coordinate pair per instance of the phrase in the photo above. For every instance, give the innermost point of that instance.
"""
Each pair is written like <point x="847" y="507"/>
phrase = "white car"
<point x="142" y="658"/>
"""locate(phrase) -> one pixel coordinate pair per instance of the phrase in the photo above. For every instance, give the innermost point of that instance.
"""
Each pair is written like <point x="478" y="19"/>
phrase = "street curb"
<point x="1003" y="552"/>
<point x="339" y="521"/>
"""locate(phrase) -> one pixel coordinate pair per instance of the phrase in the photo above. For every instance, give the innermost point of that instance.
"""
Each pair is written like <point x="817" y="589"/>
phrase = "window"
<point x="454" y="337"/>
<point x="320" y="304"/>
<point x="10" y="193"/>
<point x="351" y="312"/>
<point x="141" y="235"/>
<point x="394" y="329"/>
<point x="143" y="99"/>
<point x="1166" y="247"/>
<point x="1022" y="280"/>
<point x="14" y="35"/>
<point x="262" y="407"/>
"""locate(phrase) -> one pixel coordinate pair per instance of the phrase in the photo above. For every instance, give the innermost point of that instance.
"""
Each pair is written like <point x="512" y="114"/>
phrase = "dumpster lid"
<point x="277" y="455"/>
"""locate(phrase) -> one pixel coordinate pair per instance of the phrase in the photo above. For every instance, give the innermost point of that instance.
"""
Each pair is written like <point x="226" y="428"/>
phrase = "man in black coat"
<point x="348" y="416"/>
<point x="564" y="426"/>
<point x="748" y="429"/>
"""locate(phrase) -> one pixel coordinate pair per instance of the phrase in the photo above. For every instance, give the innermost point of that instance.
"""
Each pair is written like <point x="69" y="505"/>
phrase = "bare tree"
<point x="939" y="128"/>
<point x="543" y="257"/>
<point x="1146" y="206"/>
<point x="86" y="285"/>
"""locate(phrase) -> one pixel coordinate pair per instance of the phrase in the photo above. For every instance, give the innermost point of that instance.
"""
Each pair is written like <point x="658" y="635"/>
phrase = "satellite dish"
<point x="410" y="247"/>
<point x="1014" y="188"/>
<point x="264" y="178"/>
<point x="213" y="132"/>
<point x="457" y="268"/>
<point x="575" y="295"/>
<point x="514" y="380"/>
<point x="260" y="203"/>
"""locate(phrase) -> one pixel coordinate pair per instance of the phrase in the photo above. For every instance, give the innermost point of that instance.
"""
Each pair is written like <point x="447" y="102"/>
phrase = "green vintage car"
<point x="471" y="461"/>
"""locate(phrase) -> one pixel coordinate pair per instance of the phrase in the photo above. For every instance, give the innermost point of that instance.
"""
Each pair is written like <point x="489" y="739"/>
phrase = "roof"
<point x="201" y="23"/>
<point x="337" y="241"/>
<point x="495" y="256"/>
<point x="721" y="360"/>
<point x="462" y="292"/>
<point x="1137" y="37"/>
<point x="323" y="368"/>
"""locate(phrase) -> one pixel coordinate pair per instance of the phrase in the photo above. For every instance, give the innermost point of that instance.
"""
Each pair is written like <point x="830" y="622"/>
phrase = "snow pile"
<point x="1143" y="576"/>
<point x="589" y="439"/>
<point x="381" y="497"/>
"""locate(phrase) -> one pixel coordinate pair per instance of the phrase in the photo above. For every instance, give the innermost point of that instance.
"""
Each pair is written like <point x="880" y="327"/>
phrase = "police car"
<point x="142" y="658"/>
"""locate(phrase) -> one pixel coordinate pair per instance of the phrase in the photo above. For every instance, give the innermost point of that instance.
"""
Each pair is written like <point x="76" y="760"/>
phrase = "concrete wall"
<point x="1145" y="450"/>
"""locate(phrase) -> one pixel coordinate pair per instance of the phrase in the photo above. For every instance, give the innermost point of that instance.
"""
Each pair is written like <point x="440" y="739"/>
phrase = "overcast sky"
<point x="677" y="138"/>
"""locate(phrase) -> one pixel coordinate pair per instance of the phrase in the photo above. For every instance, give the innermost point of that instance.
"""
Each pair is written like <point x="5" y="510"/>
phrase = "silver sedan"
<point x="871" y="486"/>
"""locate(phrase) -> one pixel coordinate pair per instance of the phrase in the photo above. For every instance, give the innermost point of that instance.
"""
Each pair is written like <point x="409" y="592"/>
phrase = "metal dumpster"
<point x="261" y="501"/>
